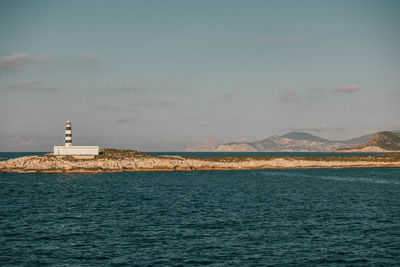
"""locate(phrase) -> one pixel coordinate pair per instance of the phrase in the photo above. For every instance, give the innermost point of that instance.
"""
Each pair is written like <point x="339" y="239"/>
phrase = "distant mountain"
<point x="379" y="142"/>
<point x="357" y="140"/>
<point x="305" y="142"/>
<point x="304" y="136"/>
<point x="294" y="141"/>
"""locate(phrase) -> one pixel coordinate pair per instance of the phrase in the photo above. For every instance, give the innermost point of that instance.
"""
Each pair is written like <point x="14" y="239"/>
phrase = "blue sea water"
<point x="252" y="217"/>
<point x="12" y="155"/>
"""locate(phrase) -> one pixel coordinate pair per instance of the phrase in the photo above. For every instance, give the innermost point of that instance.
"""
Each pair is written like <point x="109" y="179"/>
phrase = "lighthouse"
<point x="68" y="134"/>
<point x="75" y="151"/>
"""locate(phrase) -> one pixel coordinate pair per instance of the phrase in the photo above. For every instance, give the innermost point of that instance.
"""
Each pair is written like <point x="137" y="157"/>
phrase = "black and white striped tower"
<point x="68" y="134"/>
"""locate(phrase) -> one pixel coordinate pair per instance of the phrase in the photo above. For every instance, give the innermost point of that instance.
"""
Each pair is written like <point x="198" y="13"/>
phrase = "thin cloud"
<point x="90" y="57"/>
<point x="122" y="89"/>
<point x="348" y="88"/>
<point x="48" y="88"/>
<point x="225" y="98"/>
<point x="111" y="108"/>
<point x="317" y="128"/>
<point x="132" y="89"/>
<point x="107" y="107"/>
<point x="28" y="83"/>
<point x="318" y="89"/>
<point x="18" y="61"/>
<point x="289" y="97"/>
<point x="22" y="142"/>
<point x="35" y="85"/>
<point x="228" y="96"/>
<point x="27" y="142"/>
<point x="394" y="93"/>
<point x="316" y="93"/>
<point x="126" y="120"/>
<point x="154" y="104"/>
<point x="273" y="40"/>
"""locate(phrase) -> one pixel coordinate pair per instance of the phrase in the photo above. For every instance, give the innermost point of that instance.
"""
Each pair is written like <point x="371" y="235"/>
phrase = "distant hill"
<point x="304" y="136"/>
<point x="357" y="140"/>
<point x="291" y="142"/>
<point x="379" y="142"/>
<point x="305" y="142"/>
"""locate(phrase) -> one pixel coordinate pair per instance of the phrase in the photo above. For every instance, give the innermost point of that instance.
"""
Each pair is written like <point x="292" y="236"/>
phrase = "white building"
<point x="69" y="149"/>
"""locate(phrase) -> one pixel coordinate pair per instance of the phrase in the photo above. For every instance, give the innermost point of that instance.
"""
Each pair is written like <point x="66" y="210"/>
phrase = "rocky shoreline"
<point x="117" y="160"/>
<point x="368" y="149"/>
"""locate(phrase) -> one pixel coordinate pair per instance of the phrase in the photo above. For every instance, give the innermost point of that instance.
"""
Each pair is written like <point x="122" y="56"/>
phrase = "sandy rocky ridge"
<point x="116" y="160"/>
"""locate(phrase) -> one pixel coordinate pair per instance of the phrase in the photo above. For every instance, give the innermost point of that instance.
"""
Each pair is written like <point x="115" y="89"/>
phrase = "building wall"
<point x="76" y="150"/>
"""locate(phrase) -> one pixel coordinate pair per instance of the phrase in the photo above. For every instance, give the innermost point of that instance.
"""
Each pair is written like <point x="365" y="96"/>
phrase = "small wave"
<point x="332" y="178"/>
<point x="359" y="179"/>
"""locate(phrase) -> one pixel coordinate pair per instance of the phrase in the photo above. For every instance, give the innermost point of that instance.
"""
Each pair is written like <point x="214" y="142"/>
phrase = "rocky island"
<point x="119" y="160"/>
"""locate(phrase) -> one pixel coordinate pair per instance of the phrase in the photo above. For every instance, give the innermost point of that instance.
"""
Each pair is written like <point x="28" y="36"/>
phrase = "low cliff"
<point x="116" y="160"/>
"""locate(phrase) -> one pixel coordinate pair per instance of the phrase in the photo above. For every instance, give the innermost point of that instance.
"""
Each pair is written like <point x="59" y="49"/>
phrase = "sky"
<point x="161" y="75"/>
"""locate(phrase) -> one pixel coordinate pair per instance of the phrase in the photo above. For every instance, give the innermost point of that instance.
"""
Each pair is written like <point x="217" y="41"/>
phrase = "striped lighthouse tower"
<point x="68" y="134"/>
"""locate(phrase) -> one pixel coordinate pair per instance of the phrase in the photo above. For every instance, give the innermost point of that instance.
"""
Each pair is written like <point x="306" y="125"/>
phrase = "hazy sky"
<point x="160" y="75"/>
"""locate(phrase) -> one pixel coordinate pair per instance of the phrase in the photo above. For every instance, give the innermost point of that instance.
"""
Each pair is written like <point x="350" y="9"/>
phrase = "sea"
<point x="279" y="217"/>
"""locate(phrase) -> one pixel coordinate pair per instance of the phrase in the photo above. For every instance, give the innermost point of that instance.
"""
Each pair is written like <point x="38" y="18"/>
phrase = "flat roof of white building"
<point x="76" y="150"/>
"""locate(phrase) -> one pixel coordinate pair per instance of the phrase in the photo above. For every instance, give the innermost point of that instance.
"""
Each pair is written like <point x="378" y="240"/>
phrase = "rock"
<point x="126" y="160"/>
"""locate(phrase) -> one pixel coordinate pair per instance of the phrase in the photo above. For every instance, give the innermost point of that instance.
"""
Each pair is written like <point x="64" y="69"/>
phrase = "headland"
<point x="120" y="160"/>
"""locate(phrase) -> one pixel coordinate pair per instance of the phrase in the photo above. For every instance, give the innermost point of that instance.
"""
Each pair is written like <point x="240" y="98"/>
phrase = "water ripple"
<point x="258" y="217"/>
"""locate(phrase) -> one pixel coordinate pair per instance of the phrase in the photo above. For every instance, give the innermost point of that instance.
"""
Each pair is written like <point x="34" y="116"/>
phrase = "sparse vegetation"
<point x="132" y="160"/>
<point x="387" y="157"/>
<point x="119" y="154"/>
<point x="126" y="154"/>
